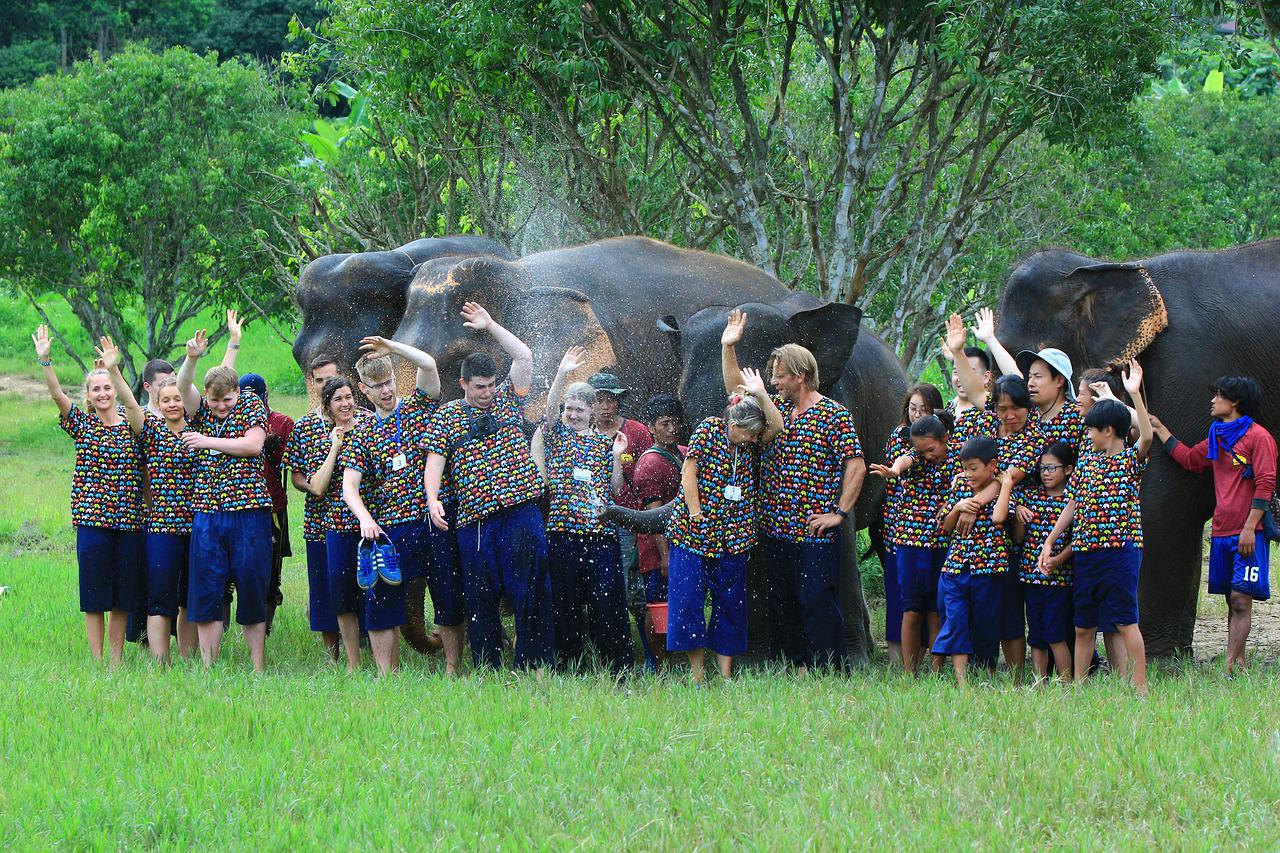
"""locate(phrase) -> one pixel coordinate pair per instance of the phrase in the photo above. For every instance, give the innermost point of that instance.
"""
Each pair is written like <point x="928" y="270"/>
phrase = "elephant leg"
<point x="857" y="619"/>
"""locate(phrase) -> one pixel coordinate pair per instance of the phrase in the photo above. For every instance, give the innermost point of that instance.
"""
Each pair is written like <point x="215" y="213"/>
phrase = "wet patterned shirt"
<point x="1105" y="489"/>
<point x="226" y="483"/>
<point x="572" y="496"/>
<point x="487" y="454"/>
<point x="390" y="455"/>
<point x="726" y="526"/>
<point x="1047" y="508"/>
<point x="985" y="550"/>
<point x="305" y="453"/>
<point x="171" y="473"/>
<point x="1067" y="426"/>
<point x="925" y="488"/>
<point x="106" y="485"/>
<point x="803" y="467"/>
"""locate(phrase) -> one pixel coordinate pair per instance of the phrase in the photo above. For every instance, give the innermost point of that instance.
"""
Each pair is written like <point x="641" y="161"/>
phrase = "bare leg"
<point x="1040" y="661"/>
<point x="1015" y="657"/>
<point x="210" y="634"/>
<point x="658" y="649"/>
<point x="695" y="665"/>
<point x="383" y="644"/>
<point x="115" y="635"/>
<point x="912" y="620"/>
<point x="452" y="638"/>
<point x="726" y="665"/>
<point x="1239" y="621"/>
<point x="1137" y="656"/>
<point x="95" y="630"/>
<point x="894" y="650"/>
<point x="158" y="637"/>
<point x="1062" y="660"/>
<point x="934" y="620"/>
<point x="960" y="664"/>
<point x="1086" y="641"/>
<point x="329" y="639"/>
<point x="255" y="636"/>
<point x="349" y="629"/>
<point x="1117" y="655"/>
<point x="188" y="640"/>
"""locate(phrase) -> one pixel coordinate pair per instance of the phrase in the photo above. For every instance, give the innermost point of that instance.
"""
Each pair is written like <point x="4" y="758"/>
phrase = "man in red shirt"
<point x="1242" y="456"/>
<point x="279" y="428"/>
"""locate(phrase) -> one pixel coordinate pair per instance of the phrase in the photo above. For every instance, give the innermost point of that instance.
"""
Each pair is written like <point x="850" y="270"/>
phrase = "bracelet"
<point x="45" y="362"/>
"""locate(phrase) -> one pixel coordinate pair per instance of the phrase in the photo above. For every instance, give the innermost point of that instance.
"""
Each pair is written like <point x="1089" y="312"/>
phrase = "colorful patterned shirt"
<point x="106" y="485"/>
<point x="1105" y="489"/>
<point x="335" y="514"/>
<point x="727" y="526"/>
<point x="569" y="455"/>
<point x="486" y="453"/>
<point x="1047" y="508"/>
<point x="305" y="453"/>
<point x="171" y="472"/>
<point x="390" y="455"/>
<point x="896" y="445"/>
<point x="1067" y="426"/>
<point x="985" y="551"/>
<point x="974" y="422"/>
<point x="226" y="483"/>
<point x="1021" y="450"/>
<point x="802" y="469"/>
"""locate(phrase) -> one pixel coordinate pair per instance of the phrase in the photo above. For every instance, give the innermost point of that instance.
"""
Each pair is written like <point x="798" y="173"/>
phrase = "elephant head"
<point x="827" y="329"/>
<point x="1099" y="313"/>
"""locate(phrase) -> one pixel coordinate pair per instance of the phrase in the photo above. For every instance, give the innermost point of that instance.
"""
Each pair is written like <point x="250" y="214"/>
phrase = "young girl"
<point x="584" y="471"/>
<point x="713" y="527"/>
<point x="170" y="476"/>
<point x="106" y="501"/>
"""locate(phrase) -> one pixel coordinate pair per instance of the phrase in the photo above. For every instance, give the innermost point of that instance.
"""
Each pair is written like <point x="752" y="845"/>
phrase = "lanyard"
<point x="733" y="471"/>
<point x="396" y="415"/>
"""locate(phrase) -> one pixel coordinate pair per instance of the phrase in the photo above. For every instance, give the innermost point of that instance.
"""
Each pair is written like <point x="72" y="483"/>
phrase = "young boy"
<point x="1102" y="502"/>
<point x="969" y="589"/>
<point x="1242" y="456"/>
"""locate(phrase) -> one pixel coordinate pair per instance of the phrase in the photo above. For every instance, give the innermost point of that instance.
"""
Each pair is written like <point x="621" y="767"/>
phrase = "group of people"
<point x="1011" y="515"/>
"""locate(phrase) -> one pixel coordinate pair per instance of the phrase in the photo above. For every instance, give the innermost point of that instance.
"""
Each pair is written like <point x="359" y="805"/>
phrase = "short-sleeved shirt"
<point x="1105" y="489"/>
<point x="279" y="428"/>
<point x="171" y="475"/>
<point x="896" y="445"/>
<point x="1066" y="426"/>
<point x="639" y="439"/>
<point x="924" y="489"/>
<point x="486" y="453"/>
<point x="106" y="485"/>
<point x="1046" y="508"/>
<point x="335" y="514"/>
<point x="305" y="453"/>
<point x="391" y="457"/>
<point x="226" y="483"/>
<point x="974" y="423"/>
<point x="727" y="526"/>
<point x="802" y="469"/>
<point x="985" y="551"/>
<point x="657" y="479"/>
<point x="571" y="455"/>
<point x="1021" y="449"/>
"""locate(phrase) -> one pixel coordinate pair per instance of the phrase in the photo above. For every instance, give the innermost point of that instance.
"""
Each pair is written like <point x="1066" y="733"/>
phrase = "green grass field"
<point x="305" y="757"/>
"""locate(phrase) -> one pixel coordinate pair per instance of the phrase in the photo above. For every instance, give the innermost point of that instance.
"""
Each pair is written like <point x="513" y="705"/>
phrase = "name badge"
<point x="733" y="493"/>
<point x="214" y="454"/>
<point x="398" y="461"/>
<point x="582" y="475"/>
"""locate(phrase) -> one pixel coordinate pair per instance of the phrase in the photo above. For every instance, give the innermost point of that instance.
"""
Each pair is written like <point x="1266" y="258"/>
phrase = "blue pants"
<point x="1105" y="586"/>
<point x="506" y="554"/>
<point x="444" y="571"/>
<point x="918" y="570"/>
<point x="804" y="602"/>
<point x="1048" y="615"/>
<point x="892" y="594"/>
<point x="586" y="572"/>
<point x="689" y="578"/>
<point x="230" y="546"/>
<point x="382" y="605"/>
<point x="110" y="568"/>
<point x="1229" y="572"/>
<point x="319" y="611"/>
<point x="168" y="559"/>
<point x="971" y="615"/>
<point x="1012" y="606"/>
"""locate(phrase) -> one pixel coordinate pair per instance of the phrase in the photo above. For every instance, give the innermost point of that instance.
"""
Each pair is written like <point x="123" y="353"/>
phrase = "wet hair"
<point x="798" y="360"/>
<point x="662" y="406"/>
<point x="1101" y="374"/>
<point x="153" y="368"/>
<point x="583" y="392"/>
<point x="163" y="384"/>
<point x="1109" y="413"/>
<point x="218" y="381"/>
<point x="319" y="362"/>
<point x="928" y="392"/>
<point x="1015" y="388"/>
<point x="747" y="414"/>
<point x="88" y="378"/>
<point x="979" y="447"/>
<point x="1063" y="452"/>
<point x="980" y="354"/>
<point x="1241" y="390"/>
<point x="481" y="364"/>
<point x="332" y="386"/>
<point x="371" y="369"/>
<point x="937" y="425"/>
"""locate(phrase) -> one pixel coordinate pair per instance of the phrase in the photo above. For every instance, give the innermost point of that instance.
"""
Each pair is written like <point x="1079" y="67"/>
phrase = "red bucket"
<point x="658" y="616"/>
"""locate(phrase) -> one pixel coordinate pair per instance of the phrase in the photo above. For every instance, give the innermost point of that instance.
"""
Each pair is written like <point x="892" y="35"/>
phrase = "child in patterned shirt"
<point x="1107" y="537"/>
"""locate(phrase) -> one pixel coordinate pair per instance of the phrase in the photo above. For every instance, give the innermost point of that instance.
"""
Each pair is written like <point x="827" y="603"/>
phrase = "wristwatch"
<point x="841" y="513"/>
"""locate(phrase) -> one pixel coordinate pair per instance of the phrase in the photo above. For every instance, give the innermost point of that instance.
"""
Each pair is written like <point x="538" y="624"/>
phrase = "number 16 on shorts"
<point x="1250" y="575"/>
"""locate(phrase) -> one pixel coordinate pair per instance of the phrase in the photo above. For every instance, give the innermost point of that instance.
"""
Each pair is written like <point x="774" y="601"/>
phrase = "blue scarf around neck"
<point x="1225" y="434"/>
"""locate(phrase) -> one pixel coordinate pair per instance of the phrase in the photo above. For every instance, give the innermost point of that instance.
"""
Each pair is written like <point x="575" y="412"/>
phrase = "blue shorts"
<point x="383" y="605"/>
<point x="892" y="596"/>
<point x="444" y="571"/>
<point x="230" y="546"/>
<point x="690" y="577"/>
<point x="918" y="573"/>
<point x="110" y="564"/>
<point x="1105" y="587"/>
<point x="1048" y="615"/>
<point x="1229" y="572"/>
<point x="971" y="608"/>
<point x="168" y="556"/>
<point x="655" y="586"/>
<point x="1012" y="626"/>
<point x="319" y="612"/>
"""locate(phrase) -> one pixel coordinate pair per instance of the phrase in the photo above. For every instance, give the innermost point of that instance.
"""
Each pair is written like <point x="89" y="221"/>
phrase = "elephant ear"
<point x="552" y="319"/>
<point x="829" y="330"/>
<point x="1119" y="307"/>
<point x="492" y="282"/>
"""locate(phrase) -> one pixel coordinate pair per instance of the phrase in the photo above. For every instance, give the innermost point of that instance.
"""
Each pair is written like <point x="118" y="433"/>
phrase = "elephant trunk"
<point x="640" y="520"/>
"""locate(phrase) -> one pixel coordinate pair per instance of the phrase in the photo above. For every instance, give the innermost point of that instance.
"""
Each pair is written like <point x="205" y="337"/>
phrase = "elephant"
<point x="1188" y="317"/>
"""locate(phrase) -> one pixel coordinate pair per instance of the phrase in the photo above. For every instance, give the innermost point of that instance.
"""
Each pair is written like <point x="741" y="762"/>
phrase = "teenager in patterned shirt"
<point x="810" y="478"/>
<point x="713" y="527"/>
<point x="383" y="464"/>
<point x="311" y="454"/>
<point x="106" y="501"/>
<point x="584" y="473"/>
<point x="170" y="467"/>
<point x="231" y="528"/>
<point x="1106" y="539"/>
<point x="502" y="542"/>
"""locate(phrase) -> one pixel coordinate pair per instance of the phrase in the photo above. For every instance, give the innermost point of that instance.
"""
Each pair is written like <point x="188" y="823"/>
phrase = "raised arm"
<point x="974" y="390"/>
<point x="752" y="385"/>
<point x="1133" y="384"/>
<point x="109" y="355"/>
<point x="44" y="352"/>
<point x="574" y="358"/>
<point x="729" y="341"/>
<point x="196" y="348"/>
<point x="428" y="376"/>
<point x="985" y="331"/>
<point x="318" y="484"/>
<point x="233" y="339"/>
<point x="476" y="318"/>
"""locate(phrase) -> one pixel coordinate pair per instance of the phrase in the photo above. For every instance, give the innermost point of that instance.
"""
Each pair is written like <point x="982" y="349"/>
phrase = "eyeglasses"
<point x="390" y="383"/>
<point x="1049" y="469"/>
